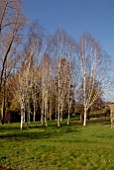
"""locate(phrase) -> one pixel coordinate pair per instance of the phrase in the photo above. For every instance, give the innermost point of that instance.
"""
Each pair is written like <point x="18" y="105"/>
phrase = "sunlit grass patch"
<point x="68" y="147"/>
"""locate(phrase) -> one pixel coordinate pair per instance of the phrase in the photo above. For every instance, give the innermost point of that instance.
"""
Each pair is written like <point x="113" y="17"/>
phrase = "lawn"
<point x="71" y="147"/>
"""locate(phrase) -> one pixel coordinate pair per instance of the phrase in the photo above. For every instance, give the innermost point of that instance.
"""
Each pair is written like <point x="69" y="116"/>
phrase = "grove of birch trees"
<point x="47" y="75"/>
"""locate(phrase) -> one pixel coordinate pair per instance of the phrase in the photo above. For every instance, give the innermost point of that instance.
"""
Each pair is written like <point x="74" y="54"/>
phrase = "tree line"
<point x="47" y="74"/>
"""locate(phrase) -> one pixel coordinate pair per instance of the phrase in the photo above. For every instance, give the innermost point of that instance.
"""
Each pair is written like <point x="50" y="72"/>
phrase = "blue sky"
<point x="76" y="16"/>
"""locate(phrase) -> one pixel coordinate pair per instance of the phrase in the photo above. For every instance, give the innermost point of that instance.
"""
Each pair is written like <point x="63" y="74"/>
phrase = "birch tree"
<point x="31" y="50"/>
<point x="46" y="80"/>
<point x="62" y="48"/>
<point x="94" y="63"/>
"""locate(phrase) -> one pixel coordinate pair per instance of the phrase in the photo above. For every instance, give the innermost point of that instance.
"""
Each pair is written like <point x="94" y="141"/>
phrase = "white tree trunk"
<point x="85" y="116"/>
<point x="22" y="112"/>
<point x="58" y="118"/>
<point x="42" y="111"/>
<point x="61" y="118"/>
<point x="68" y="119"/>
<point x="22" y="117"/>
<point x="46" y="108"/>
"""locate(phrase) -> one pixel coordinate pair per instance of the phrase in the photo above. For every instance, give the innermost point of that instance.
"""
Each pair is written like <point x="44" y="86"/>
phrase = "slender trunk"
<point x="46" y="124"/>
<point x="59" y="95"/>
<point x="58" y="119"/>
<point x="85" y="116"/>
<point x="27" y="119"/>
<point x="22" y="115"/>
<point x="46" y="111"/>
<point x="68" y="119"/>
<point x="69" y="110"/>
<point x="34" y="114"/>
<point x="61" y="116"/>
<point x="50" y="110"/>
<point x="3" y="106"/>
<point x="42" y="107"/>
<point x="84" y="91"/>
<point x="3" y="111"/>
<point x="28" y="115"/>
<point x="4" y="98"/>
<point x="42" y="113"/>
<point x="42" y="117"/>
<point x="56" y="109"/>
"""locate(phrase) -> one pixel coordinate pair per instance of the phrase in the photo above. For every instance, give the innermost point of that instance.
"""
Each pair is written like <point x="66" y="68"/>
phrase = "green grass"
<point x="65" y="148"/>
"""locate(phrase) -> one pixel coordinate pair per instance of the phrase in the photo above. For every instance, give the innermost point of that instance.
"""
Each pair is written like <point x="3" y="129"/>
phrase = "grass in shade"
<point x="71" y="147"/>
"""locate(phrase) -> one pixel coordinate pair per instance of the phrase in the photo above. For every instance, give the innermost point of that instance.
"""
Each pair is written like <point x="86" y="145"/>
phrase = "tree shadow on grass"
<point x="35" y="132"/>
<point x="5" y="128"/>
<point x="98" y="122"/>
